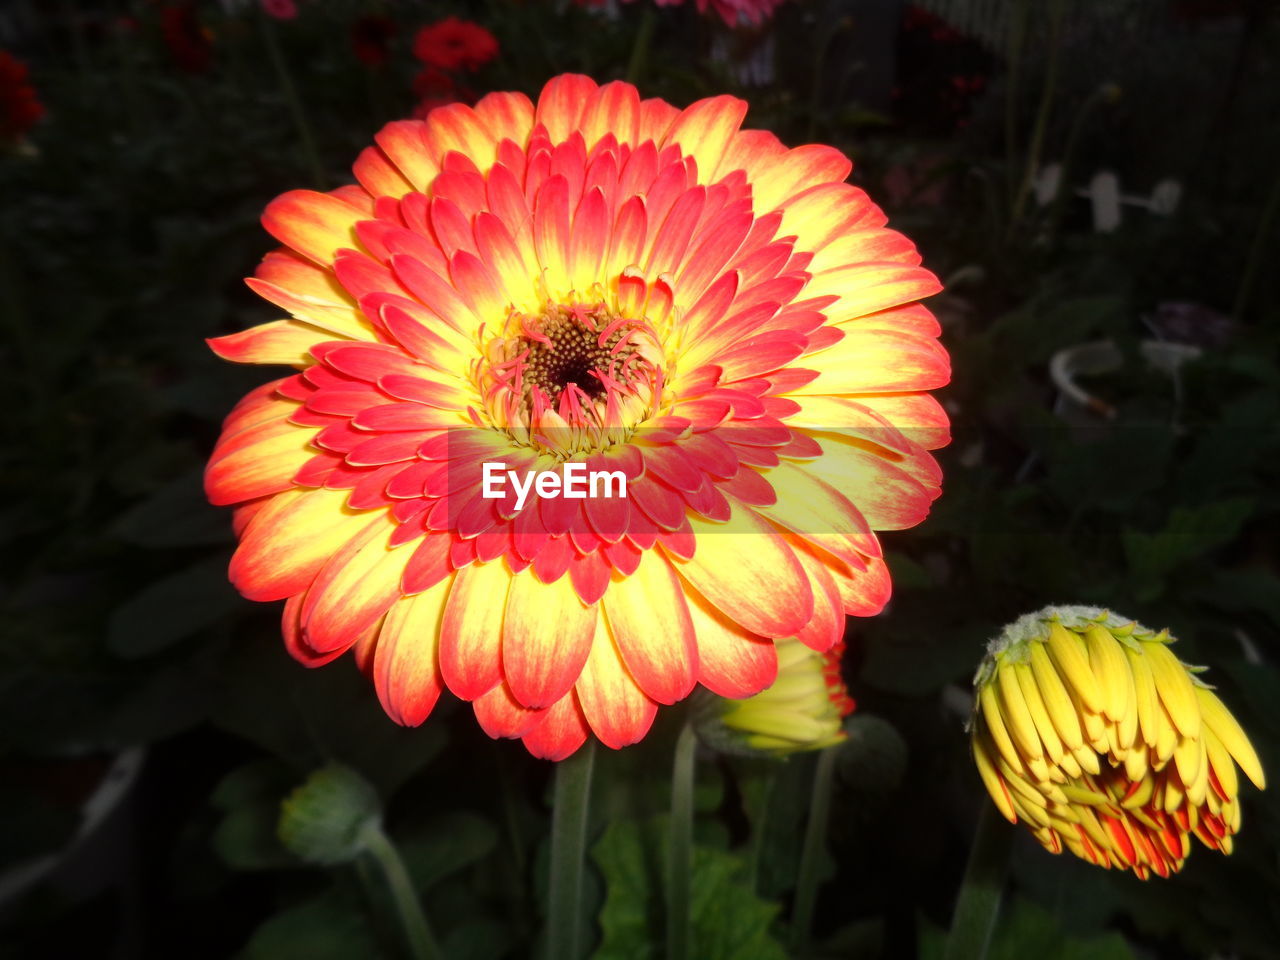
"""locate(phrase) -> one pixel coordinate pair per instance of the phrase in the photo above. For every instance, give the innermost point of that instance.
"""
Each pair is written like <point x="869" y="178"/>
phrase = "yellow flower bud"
<point x="803" y="709"/>
<point x="1088" y="728"/>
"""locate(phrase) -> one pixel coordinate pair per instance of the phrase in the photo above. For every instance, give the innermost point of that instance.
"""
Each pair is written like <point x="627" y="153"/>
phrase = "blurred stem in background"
<point x="422" y="945"/>
<point x="1016" y="40"/>
<point x="1254" y="258"/>
<point x="1106" y="93"/>
<point x="758" y="796"/>
<point x="680" y="847"/>
<point x="978" y="902"/>
<point x="571" y="803"/>
<point x="290" y="92"/>
<point x="640" y="49"/>
<point x="809" y="876"/>
<point x="1056" y="11"/>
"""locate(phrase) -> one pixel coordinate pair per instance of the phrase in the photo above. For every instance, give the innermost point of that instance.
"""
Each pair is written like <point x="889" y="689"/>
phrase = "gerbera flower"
<point x="597" y="281"/>
<point x="20" y="107"/>
<point x="1090" y="730"/>
<point x="453" y="44"/>
<point x="803" y="709"/>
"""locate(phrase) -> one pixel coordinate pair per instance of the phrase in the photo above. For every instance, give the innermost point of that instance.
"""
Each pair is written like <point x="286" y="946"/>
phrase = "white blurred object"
<point x="1106" y="198"/>
<point x="1103" y="356"/>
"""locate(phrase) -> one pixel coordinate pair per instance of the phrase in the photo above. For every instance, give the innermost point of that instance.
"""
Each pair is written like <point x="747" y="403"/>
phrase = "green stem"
<point x="1254" y="259"/>
<point x="815" y="843"/>
<point x="571" y="804"/>
<point x="1017" y="34"/>
<point x="640" y="48"/>
<point x="295" y="103"/>
<point x="979" y="899"/>
<point x="1042" y="113"/>
<point x="1065" y="168"/>
<point x="680" y="850"/>
<point x="422" y="945"/>
<point x="816" y="87"/>
<point x="763" y="801"/>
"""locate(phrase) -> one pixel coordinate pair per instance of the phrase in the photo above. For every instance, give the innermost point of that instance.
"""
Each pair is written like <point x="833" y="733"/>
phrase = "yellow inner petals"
<point x="1094" y="733"/>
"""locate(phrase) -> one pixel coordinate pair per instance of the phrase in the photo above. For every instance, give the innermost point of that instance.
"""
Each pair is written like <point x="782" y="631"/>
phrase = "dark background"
<point x="128" y="218"/>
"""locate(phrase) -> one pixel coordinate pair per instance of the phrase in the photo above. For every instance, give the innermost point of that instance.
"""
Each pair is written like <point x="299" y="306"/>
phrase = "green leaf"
<point x="729" y="921"/>
<point x="1025" y="929"/>
<point x="312" y="716"/>
<point x="446" y="845"/>
<point x="176" y="515"/>
<point x="172" y="609"/>
<point x="246" y="838"/>
<point x="1047" y="324"/>
<point x="1189" y="533"/>
<point x="481" y="939"/>
<point x="329" y="927"/>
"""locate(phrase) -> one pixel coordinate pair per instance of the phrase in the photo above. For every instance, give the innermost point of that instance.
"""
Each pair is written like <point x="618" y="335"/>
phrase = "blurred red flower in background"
<point x="735" y="12"/>
<point x="454" y="44"/>
<point x="189" y="43"/>
<point x="435" y="88"/>
<point x="20" y="108"/>
<point x="280" y="9"/>
<point x="371" y="40"/>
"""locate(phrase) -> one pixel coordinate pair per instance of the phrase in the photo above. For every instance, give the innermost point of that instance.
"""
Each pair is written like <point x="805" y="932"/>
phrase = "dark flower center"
<point x="573" y="345"/>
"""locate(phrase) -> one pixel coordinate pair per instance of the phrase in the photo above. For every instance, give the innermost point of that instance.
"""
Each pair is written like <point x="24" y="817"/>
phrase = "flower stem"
<point x="815" y="842"/>
<point x="1016" y="36"/>
<point x="979" y="899"/>
<point x="1256" y="249"/>
<point x="295" y="104"/>
<point x="571" y="804"/>
<point x="640" y="47"/>
<point x="760" y="800"/>
<point x="422" y="945"/>
<point x="1056" y="12"/>
<point x="1068" y="156"/>
<point x="680" y="847"/>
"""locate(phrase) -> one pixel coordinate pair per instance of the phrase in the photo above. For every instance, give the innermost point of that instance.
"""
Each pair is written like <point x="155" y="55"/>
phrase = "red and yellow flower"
<point x="593" y="279"/>
<point x="1089" y="730"/>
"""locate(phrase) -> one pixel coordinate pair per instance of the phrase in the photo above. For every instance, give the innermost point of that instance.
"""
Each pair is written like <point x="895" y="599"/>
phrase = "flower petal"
<point x="649" y="620"/>
<point x="749" y="573"/>
<point x="290" y="539"/>
<point x="560" y="731"/>
<point x="406" y="669"/>
<point x="317" y="225"/>
<point x="731" y="661"/>
<point x="617" y="710"/>
<point x="471" y="632"/>
<point x="546" y="637"/>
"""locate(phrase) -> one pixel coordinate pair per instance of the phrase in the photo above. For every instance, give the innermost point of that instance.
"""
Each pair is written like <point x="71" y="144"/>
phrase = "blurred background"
<point x="1096" y="182"/>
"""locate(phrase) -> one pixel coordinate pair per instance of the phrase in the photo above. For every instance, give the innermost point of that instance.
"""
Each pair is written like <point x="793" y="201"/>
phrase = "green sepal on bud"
<point x="327" y="819"/>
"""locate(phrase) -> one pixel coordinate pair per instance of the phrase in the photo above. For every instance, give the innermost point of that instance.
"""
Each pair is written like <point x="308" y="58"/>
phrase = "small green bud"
<point x="324" y="820"/>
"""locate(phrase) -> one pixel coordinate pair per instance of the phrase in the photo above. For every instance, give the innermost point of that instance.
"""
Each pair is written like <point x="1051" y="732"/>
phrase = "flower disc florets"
<point x="572" y="379"/>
